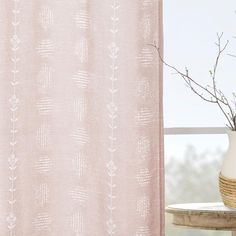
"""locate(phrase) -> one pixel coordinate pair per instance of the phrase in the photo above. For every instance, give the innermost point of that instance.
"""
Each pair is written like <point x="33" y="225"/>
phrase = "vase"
<point x="227" y="178"/>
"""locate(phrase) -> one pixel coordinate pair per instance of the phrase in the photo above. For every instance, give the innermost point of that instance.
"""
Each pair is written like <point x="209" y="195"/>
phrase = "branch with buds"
<point x="210" y="93"/>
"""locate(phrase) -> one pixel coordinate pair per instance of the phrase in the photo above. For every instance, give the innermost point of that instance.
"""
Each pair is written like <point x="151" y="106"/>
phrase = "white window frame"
<point x="194" y="130"/>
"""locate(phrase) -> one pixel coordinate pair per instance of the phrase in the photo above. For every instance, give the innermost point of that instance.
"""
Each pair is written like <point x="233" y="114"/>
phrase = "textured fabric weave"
<point x="81" y="136"/>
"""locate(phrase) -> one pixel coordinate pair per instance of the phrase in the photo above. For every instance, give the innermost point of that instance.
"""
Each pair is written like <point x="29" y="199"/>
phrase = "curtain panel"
<point x="81" y="120"/>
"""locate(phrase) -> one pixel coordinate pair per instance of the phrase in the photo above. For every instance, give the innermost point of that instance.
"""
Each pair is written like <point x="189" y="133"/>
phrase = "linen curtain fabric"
<point x="81" y="139"/>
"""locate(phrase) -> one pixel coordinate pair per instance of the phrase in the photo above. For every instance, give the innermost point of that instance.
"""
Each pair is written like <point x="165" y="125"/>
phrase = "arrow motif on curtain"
<point x="112" y="115"/>
<point x="14" y="102"/>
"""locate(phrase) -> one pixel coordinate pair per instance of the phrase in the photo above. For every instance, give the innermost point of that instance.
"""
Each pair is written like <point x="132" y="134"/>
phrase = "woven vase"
<point x="227" y="178"/>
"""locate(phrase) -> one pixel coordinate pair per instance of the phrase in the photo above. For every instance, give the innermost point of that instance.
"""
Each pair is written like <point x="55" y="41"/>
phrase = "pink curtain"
<point x="81" y="136"/>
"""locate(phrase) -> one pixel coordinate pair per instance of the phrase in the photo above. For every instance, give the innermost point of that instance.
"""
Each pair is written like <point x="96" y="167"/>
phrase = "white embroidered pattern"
<point x="144" y="147"/>
<point x="42" y="222"/>
<point x="81" y="79"/>
<point x="144" y="176"/>
<point x="147" y="3"/>
<point x="14" y="102"/>
<point x="81" y="136"/>
<point x="43" y="136"/>
<point x="77" y="223"/>
<point x="79" y="164"/>
<point x="147" y="28"/>
<point x="143" y="206"/>
<point x="146" y="57"/>
<point x="46" y="18"/>
<point x="45" y="48"/>
<point x="45" y="79"/>
<point x="112" y="115"/>
<point x="144" y="116"/>
<point x="82" y="19"/>
<point x="41" y="194"/>
<point x="79" y="194"/>
<point x="81" y="50"/>
<point x="144" y="88"/>
<point x="143" y="231"/>
<point x="43" y="165"/>
<point x="80" y="108"/>
<point x="44" y="105"/>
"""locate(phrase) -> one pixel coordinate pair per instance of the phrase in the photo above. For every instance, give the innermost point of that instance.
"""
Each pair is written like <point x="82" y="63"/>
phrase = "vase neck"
<point x="231" y="135"/>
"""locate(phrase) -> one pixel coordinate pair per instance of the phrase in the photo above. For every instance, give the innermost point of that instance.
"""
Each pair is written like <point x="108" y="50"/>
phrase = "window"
<point x="195" y="139"/>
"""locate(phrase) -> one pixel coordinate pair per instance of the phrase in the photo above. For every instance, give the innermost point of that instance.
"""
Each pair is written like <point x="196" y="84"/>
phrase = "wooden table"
<point x="210" y="216"/>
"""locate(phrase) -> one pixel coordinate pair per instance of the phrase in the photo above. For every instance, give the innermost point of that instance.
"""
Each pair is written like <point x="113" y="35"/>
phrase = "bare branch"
<point x="214" y="95"/>
<point x="222" y="99"/>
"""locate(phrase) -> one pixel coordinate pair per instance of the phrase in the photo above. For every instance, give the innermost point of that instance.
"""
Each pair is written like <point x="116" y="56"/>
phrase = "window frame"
<point x="194" y="130"/>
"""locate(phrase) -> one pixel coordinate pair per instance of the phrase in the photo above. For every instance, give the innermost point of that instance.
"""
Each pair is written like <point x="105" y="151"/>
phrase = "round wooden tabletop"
<point x="214" y="216"/>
